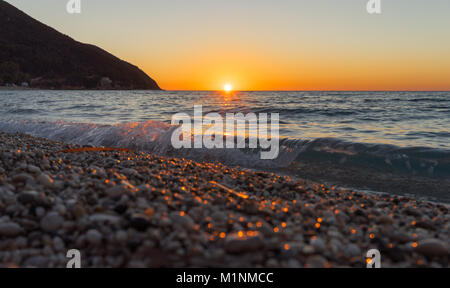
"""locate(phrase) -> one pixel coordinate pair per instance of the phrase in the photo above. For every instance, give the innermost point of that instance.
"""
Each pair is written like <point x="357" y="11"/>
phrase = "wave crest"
<point x="155" y="136"/>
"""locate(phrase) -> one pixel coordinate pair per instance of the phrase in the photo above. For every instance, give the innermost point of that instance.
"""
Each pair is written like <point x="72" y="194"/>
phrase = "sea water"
<point x="404" y="132"/>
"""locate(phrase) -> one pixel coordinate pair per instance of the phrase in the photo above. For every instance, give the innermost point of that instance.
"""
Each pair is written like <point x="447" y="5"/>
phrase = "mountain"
<point x="33" y="52"/>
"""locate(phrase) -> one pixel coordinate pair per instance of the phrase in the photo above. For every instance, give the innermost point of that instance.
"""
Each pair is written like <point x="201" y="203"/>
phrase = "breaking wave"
<point x="155" y="136"/>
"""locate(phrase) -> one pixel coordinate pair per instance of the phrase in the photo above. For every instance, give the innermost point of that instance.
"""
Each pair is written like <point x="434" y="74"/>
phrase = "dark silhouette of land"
<point x="36" y="55"/>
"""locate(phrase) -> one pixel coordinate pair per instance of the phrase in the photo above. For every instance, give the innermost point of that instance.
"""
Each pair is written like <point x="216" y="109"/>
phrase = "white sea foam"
<point x="155" y="137"/>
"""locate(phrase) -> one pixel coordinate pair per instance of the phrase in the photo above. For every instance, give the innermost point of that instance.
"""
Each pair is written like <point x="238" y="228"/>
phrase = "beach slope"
<point x="132" y="209"/>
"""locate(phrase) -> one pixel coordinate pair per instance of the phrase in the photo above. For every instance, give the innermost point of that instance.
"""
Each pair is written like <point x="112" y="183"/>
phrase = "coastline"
<point x="17" y="88"/>
<point x="374" y="181"/>
<point x="134" y="209"/>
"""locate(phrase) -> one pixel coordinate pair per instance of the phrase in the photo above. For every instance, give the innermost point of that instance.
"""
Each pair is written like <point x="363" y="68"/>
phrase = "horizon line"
<point x="313" y="90"/>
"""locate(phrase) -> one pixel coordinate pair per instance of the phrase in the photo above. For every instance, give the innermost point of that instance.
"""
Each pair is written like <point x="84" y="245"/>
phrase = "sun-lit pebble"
<point x="170" y="204"/>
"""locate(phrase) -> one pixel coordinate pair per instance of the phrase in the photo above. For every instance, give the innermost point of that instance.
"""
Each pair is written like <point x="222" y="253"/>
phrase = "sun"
<point x="228" y="88"/>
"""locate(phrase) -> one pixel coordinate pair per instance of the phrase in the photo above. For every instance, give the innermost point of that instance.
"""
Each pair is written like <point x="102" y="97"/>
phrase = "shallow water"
<point x="405" y="132"/>
<point x="406" y="119"/>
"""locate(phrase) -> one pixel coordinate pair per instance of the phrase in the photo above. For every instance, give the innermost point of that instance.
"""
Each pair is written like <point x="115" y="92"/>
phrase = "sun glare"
<point x="227" y="88"/>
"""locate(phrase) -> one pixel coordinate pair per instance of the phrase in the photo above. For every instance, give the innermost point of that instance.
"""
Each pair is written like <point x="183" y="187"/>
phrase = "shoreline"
<point x="135" y="209"/>
<point x="19" y="88"/>
<point x="375" y="181"/>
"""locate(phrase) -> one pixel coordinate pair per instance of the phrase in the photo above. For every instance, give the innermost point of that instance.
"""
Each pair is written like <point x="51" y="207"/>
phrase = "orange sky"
<point x="266" y="44"/>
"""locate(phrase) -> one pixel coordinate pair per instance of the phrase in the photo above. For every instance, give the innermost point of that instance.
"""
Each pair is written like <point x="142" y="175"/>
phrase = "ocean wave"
<point x="297" y="112"/>
<point x="23" y="111"/>
<point x="429" y="99"/>
<point x="155" y="136"/>
<point x="421" y="161"/>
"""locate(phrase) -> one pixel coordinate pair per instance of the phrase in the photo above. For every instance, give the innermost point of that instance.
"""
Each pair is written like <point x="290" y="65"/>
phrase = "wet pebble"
<point x="243" y="245"/>
<point x="10" y="229"/>
<point x="432" y="247"/>
<point x="94" y="237"/>
<point x="51" y="222"/>
<point x="45" y="180"/>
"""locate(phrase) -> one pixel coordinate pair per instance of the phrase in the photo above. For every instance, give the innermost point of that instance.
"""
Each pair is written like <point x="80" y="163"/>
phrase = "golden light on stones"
<point x="174" y="190"/>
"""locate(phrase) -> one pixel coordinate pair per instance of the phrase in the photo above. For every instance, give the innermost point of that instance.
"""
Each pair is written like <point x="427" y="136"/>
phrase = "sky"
<point x="267" y="44"/>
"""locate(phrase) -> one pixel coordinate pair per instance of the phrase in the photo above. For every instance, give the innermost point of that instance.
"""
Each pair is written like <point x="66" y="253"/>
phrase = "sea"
<point x="407" y="133"/>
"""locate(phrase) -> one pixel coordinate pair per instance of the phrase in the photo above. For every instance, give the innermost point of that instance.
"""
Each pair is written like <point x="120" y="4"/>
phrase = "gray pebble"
<point x="94" y="237"/>
<point x="58" y="244"/>
<point x="352" y="250"/>
<point x="10" y="229"/>
<point x="319" y="245"/>
<point x="432" y="247"/>
<point x="45" y="180"/>
<point x="243" y="245"/>
<point x="51" y="222"/>
<point x="33" y="169"/>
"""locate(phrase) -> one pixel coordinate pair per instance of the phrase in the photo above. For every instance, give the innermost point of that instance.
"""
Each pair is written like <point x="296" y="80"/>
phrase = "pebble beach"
<point x="124" y="208"/>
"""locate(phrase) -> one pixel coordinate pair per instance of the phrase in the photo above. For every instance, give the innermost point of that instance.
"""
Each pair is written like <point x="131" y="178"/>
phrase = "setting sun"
<point x="227" y="88"/>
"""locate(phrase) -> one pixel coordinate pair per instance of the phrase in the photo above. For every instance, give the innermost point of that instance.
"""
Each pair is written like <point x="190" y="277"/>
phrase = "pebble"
<point x="10" y="229"/>
<point x="402" y="237"/>
<point x="319" y="245"/>
<point x="51" y="222"/>
<point x="33" y="169"/>
<point x="58" y="244"/>
<point x="121" y="236"/>
<point x="352" y="250"/>
<point x="139" y="222"/>
<point x="175" y="217"/>
<point x="293" y="263"/>
<point x="30" y="197"/>
<point x="21" y="178"/>
<point x="94" y="237"/>
<point x="45" y="180"/>
<point x="116" y="192"/>
<point x="78" y="211"/>
<point x="308" y="249"/>
<point x="272" y="263"/>
<point x="432" y="247"/>
<point x="37" y="262"/>
<point x="219" y="216"/>
<point x="104" y="219"/>
<point x="316" y="261"/>
<point x="184" y="221"/>
<point x="243" y="245"/>
<point x="383" y="219"/>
